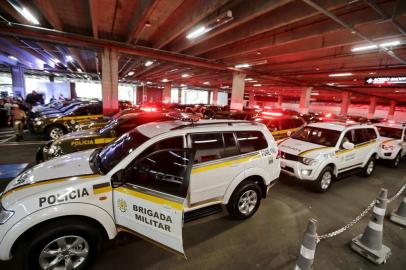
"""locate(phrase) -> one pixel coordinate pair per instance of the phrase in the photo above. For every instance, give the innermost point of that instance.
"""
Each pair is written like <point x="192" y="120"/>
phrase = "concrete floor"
<point x="271" y="238"/>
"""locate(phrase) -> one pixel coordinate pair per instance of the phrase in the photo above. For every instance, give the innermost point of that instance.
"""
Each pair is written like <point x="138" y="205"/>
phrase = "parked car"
<point x="281" y="126"/>
<point x="321" y="152"/>
<point x="393" y="147"/>
<point x="56" y="125"/>
<point x="142" y="183"/>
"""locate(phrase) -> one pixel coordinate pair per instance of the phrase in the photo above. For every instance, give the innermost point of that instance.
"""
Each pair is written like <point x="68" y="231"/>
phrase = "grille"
<point x="288" y="156"/>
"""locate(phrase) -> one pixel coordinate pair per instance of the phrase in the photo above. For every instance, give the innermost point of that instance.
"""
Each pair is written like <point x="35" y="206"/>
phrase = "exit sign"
<point x="390" y="80"/>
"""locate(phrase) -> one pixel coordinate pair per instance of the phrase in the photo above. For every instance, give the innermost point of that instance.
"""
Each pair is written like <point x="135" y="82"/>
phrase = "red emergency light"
<point x="272" y="113"/>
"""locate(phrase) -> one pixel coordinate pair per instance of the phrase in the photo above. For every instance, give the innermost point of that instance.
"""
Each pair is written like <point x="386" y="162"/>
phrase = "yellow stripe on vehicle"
<point x="46" y="182"/>
<point x="340" y="152"/>
<point x="147" y="197"/>
<point x="223" y="164"/>
<point x="103" y="140"/>
<point x="388" y="141"/>
<point x="283" y="131"/>
<point x="81" y="117"/>
<point x="312" y="150"/>
<point x="102" y="190"/>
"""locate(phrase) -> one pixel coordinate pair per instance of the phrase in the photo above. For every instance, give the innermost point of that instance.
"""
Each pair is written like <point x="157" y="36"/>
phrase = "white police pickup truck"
<point x="393" y="147"/>
<point x="320" y="152"/>
<point x="58" y="212"/>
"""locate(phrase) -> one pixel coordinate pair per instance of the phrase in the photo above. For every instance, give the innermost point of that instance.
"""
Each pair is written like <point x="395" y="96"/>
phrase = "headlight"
<point x="308" y="161"/>
<point x="387" y="147"/>
<point x="5" y="215"/>
<point x="54" y="150"/>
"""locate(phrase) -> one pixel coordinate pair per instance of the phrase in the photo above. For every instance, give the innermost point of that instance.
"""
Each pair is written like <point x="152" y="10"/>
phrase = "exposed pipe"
<point x="355" y="31"/>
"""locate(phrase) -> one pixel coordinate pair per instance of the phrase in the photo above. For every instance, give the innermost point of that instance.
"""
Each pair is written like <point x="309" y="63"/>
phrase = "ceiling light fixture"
<point x="148" y="63"/>
<point x="13" y="57"/>
<point x="211" y="25"/>
<point x="130" y="73"/>
<point x="340" y="74"/>
<point x="185" y="75"/>
<point x="69" y="58"/>
<point x="206" y="83"/>
<point x="249" y="79"/>
<point x="165" y="80"/>
<point x="242" y="66"/>
<point x="24" y="12"/>
<point x="257" y="84"/>
<point x="375" y="46"/>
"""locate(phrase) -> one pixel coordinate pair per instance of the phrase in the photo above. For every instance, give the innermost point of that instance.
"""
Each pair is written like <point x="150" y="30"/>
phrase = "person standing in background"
<point x="19" y="119"/>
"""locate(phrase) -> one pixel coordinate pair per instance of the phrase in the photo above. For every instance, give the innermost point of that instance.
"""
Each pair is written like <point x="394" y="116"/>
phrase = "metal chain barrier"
<point x="359" y="217"/>
<point x="349" y="225"/>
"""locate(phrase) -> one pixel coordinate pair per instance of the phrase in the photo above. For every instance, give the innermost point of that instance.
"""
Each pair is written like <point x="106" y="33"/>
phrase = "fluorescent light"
<point x="364" y="48"/>
<point x="25" y="13"/>
<point x="249" y="79"/>
<point x="165" y="80"/>
<point x="79" y="70"/>
<point x="149" y="82"/>
<point x="206" y="83"/>
<point x="340" y="74"/>
<point x="185" y="75"/>
<point x="198" y="32"/>
<point x="257" y="84"/>
<point x="242" y="66"/>
<point x="182" y="85"/>
<point x="130" y="73"/>
<point x="148" y="63"/>
<point x="69" y="58"/>
<point x="13" y="57"/>
<point x="390" y="43"/>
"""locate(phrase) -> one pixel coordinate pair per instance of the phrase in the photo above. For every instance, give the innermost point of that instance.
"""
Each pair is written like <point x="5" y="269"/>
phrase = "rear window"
<point x="395" y="133"/>
<point x="250" y="141"/>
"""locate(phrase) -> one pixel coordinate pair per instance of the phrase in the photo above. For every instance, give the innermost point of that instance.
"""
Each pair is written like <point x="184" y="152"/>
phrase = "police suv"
<point x="393" y="147"/>
<point x="58" y="212"/>
<point x="321" y="152"/>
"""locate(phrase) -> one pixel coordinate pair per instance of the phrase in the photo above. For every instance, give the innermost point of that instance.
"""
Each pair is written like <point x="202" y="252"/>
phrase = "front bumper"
<point x="388" y="155"/>
<point x="300" y="170"/>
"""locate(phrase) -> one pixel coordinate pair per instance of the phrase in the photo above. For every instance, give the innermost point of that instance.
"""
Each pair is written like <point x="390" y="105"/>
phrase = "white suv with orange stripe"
<point x="143" y="182"/>
<point x="393" y="147"/>
<point x="321" y="152"/>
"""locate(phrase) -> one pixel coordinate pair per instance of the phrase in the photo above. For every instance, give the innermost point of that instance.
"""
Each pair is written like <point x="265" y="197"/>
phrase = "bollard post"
<point x="399" y="216"/>
<point x="308" y="247"/>
<point x="369" y="244"/>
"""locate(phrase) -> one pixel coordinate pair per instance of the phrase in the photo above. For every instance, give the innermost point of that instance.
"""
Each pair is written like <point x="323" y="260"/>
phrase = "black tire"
<point x="322" y="184"/>
<point x="367" y="171"/>
<point x="395" y="163"/>
<point x="247" y="189"/>
<point x="61" y="228"/>
<point x="54" y="129"/>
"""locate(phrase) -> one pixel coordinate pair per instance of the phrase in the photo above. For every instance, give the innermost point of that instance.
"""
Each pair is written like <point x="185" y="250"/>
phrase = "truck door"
<point x="150" y="202"/>
<point x="347" y="159"/>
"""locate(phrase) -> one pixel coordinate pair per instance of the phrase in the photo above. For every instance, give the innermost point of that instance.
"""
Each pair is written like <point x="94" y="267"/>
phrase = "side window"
<point x="250" y="141"/>
<point x="230" y="145"/>
<point x="170" y="143"/>
<point x="348" y="137"/>
<point x="361" y="135"/>
<point x="164" y="170"/>
<point x="208" y="146"/>
<point x="371" y="134"/>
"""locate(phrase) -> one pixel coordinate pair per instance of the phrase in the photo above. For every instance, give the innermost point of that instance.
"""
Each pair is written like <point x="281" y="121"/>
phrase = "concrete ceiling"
<point x="289" y="44"/>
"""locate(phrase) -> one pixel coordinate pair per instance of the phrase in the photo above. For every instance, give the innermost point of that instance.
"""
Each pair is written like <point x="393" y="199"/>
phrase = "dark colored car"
<point x="58" y="124"/>
<point x="95" y="138"/>
<point x="281" y="127"/>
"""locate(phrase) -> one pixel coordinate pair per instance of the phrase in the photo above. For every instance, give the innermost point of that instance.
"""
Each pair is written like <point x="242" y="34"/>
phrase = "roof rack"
<point x="194" y="124"/>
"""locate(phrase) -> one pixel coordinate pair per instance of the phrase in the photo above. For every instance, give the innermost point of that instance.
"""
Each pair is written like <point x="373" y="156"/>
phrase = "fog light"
<point x="306" y="172"/>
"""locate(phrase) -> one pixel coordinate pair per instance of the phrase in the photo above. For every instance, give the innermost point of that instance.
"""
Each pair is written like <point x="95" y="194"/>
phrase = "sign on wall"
<point x="389" y="80"/>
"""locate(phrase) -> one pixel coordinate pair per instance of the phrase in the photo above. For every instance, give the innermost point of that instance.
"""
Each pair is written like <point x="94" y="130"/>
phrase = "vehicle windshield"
<point x="322" y="136"/>
<point x="112" y="154"/>
<point x="395" y="133"/>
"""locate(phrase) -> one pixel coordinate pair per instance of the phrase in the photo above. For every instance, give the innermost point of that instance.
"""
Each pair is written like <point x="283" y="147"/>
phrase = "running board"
<point x="349" y="172"/>
<point x="202" y="212"/>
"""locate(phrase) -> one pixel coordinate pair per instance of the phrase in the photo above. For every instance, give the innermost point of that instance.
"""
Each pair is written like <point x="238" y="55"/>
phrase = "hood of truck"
<point x="389" y="141"/>
<point x="301" y="148"/>
<point x="49" y="175"/>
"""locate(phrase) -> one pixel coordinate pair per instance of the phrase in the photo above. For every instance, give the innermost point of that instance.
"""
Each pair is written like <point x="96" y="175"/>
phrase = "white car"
<point x="393" y="147"/>
<point x="321" y="152"/>
<point x="58" y="212"/>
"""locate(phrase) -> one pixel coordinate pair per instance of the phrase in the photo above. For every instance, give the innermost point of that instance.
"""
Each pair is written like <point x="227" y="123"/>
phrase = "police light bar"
<point x="272" y="113"/>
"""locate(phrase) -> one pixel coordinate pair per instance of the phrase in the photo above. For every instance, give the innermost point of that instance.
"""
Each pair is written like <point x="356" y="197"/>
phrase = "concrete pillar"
<point x="110" y="81"/>
<point x="237" y="91"/>
<point x="17" y="76"/>
<point x="391" y="113"/>
<point x="372" y="106"/>
<point x="345" y="103"/>
<point x="251" y="100"/>
<point x="180" y="95"/>
<point x="305" y="100"/>
<point x="215" y="94"/>
<point x="166" y="93"/>
<point x="279" y="103"/>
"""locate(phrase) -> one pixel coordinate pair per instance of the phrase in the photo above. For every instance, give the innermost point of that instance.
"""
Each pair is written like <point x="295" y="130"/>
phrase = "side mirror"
<point x="348" y="145"/>
<point x="117" y="179"/>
